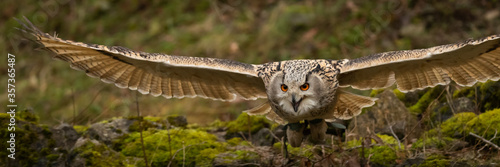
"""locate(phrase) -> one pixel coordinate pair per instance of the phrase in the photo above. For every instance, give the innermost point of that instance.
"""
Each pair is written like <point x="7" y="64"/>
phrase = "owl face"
<point x="298" y="94"/>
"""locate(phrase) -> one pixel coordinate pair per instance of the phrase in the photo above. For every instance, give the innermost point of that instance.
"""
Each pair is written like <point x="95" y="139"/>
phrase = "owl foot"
<point x="318" y="130"/>
<point x="294" y="133"/>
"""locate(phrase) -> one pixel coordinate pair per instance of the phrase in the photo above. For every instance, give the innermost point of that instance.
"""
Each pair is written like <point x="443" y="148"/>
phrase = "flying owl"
<point x="297" y="91"/>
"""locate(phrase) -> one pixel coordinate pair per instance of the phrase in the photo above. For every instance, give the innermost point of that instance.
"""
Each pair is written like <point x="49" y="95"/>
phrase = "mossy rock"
<point x="487" y="94"/>
<point x="93" y="153"/>
<point x="33" y="142"/>
<point x="381" y="155"/>
<point x="461" y="124"/>
<point x="486" y="125"/>
<point x="81" y="129"/>
<point x="456" y="125"/>
<point x="245" y="123"/>
<point x="426" y="99"/>
<point x="400" y="95"/>
<point x="384" y="154"/>
<point x="188" y="145"/>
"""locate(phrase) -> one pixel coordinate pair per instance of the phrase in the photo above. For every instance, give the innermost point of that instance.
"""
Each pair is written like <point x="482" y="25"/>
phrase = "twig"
<point x="169" y="139"/>
<point x="272" y="134"/>
<point x="74" y="105"/>
<point x="486" y="141"/>
<point x="395" y="136"/>
<point x="91" y="102"/>
<point x="449" y="99"/>
<point x="183" y="154"/>
<point x="141" y="128"/>
<point x="249" y="128"/>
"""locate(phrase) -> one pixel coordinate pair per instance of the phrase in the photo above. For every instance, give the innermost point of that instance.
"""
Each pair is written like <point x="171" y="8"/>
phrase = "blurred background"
<point x="247" y="31"/>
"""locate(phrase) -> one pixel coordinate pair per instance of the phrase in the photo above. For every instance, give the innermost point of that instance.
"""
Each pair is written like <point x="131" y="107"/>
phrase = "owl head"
<point x="297" y="89"/>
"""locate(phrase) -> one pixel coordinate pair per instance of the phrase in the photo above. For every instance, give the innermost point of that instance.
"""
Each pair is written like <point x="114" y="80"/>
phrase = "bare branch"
<point x="486" y="141"/>
<point x="395" y="136"/>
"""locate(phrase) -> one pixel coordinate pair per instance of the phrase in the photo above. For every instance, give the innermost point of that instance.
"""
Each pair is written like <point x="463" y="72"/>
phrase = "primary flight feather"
<point x="297" y="90"/>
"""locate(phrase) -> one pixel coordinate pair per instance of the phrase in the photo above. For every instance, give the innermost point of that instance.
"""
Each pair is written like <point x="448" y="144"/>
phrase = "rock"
<point x="177" y="121"/>
<point x="90" y="152"/>
<point x="76" y="159"/>
<point x="65" y="136"/>
<point x="389" y="112"/>
<point x="109" y="131"/>
<point x="443" y="110"/>
<point x="279" y="131"/>
<point x="263" y="138"/>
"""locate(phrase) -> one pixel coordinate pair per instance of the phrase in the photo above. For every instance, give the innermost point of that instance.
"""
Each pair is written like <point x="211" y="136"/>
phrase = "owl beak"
<point x="295" y="103"/>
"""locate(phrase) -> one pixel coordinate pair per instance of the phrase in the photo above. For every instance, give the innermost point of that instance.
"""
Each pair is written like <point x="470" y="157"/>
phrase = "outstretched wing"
<point x="156" y="74"/>
<point x="465" y="63"/>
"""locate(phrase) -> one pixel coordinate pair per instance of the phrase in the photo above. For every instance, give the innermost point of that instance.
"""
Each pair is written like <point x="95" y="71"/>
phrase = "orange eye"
<point x="284" y="88"/>
<point x="304" y="87"/>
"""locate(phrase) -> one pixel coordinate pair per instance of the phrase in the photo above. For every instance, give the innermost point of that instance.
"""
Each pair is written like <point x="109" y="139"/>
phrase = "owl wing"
<point x="465" y="63"/>
<point x="154" y="73"/>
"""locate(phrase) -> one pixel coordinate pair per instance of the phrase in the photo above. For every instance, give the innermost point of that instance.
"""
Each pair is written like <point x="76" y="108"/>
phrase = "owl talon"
<point x="318" y="130"/>
<point x="294" y="133"/>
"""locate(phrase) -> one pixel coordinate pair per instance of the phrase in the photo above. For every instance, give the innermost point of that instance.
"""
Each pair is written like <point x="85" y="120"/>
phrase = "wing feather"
<point x="349" y="105"/>
<point x="154" y="73"/>
<point x="465" y="63"/>
<point x="124" y="78"/>
<point x="166" y="87"/>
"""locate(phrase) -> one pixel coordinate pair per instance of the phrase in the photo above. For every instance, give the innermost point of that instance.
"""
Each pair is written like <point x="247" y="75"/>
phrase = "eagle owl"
<point x="298" y="91"/>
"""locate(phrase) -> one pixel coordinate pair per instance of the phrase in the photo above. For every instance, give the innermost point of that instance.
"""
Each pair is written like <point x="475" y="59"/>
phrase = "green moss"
<point x="236" y="141"/>
<point x="206" y="156"/>
<point x="456" y="125"/>
<point x="384" y="155"/>
<point x="432" y="142"/>
<point x="303" y="151"/>
<point x="136" y="125"/>
<point x="52" y="157"/>
<point x="375" y="92"/>
<point x="153" y="119"/>
<point x="426" y="100"/>
<point x="100" y="155"/>
<point x="245" y="123"/>
<point x="486" y="124"/>
<point x="32" y="142"/>
<point x="381" y="155"/>
<point x="353" y="143"/>
<point x="388" y="140"/>
<point x="160" y="151"/>
<point x="27" y="115"/>
<point x="435" y="161"/>
<point x="400" y="95"/>
<point x="80" y="129"/>
<point x="239" y="157"/>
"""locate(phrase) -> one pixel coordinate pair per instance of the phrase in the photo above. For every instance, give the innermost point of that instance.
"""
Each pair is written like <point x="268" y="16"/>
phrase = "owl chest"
<point x="321" y="112"/>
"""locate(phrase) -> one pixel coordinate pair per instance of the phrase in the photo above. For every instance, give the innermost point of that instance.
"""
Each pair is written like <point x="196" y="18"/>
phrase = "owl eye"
<point x="284" y="88"/>
<point x="304" y="87"/>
